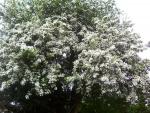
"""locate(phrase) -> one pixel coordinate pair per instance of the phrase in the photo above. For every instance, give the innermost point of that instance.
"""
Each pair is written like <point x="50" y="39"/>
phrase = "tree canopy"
<point x="58" y="53"/>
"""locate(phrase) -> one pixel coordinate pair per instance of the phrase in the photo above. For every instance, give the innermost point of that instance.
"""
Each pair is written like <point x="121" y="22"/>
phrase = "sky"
<point x="138" y="11"/>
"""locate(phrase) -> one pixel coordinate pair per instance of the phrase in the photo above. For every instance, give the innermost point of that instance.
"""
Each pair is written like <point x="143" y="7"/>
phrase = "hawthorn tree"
<point x="58" y="53"/>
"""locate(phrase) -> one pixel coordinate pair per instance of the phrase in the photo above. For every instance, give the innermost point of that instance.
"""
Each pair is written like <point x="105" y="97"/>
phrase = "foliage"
<point x="56" y="52"/>
<point x="17" y="11"/>
<point x="105" y="104"/>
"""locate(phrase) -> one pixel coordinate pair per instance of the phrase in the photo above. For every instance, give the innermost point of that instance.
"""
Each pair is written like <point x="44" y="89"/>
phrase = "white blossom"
<point x="46" y="52"/>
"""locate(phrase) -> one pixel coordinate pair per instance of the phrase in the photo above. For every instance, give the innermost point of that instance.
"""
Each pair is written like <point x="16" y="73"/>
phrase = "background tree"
<point x="56" y="52"/>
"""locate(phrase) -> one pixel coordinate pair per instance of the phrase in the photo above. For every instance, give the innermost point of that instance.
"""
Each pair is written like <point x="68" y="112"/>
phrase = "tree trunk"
<point x="76" y="104"/>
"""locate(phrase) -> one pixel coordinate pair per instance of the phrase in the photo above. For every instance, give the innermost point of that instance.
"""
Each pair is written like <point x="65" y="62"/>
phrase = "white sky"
<point x="138" y="12"/>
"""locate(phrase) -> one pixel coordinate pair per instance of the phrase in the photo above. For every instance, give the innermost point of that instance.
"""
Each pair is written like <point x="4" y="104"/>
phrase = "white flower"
<point x="3" y="86"/>
<point x="28" y="6"/>
<point x="37" y="84"/>
<point x="64" y="55"/>
<point x="23" y="82"/>
<point x="104" y="79"/>
<point x="95" y="75"/>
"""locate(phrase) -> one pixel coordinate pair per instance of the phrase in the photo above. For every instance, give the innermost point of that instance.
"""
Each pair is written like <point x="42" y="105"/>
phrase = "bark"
<point x="76" y="104"/>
